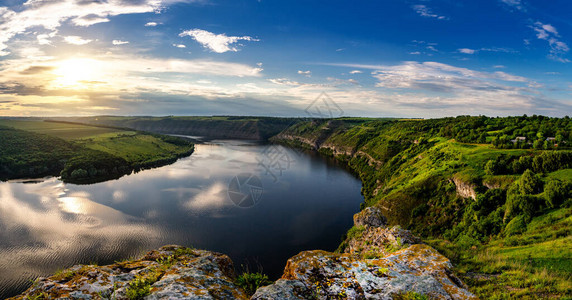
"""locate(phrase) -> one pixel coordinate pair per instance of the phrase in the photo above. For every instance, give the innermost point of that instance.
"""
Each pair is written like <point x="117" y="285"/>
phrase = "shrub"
<point x="516" y="226"/>
<point x="557" y="192"/>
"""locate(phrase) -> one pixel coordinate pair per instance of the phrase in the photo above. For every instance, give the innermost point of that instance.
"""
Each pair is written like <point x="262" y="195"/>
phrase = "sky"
<point x="374" y="58"/>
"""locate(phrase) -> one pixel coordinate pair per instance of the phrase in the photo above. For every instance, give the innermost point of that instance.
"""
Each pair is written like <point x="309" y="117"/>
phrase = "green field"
<point x="64" y="131"/>
<point x="81" y="153"/>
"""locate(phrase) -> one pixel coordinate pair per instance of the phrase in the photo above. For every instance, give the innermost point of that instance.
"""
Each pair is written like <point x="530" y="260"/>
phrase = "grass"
<point x="535" y="264"/>
<point x="138" y="148"/>
<point x="64" y="131"/>
<point x="250" y="282"/>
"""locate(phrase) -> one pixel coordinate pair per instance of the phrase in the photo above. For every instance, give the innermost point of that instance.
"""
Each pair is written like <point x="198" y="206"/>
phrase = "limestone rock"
<point x="370" y="216"/>
<point x="172" y="272"/>
<point x="283" y="289"/>
<point x="380" y="241"/>
<point x="419" y="269"/>
<point x="464" y="189"/>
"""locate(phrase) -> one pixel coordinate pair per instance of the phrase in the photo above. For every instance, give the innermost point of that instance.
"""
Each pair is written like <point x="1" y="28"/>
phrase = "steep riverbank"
<point x="487" y="206"/>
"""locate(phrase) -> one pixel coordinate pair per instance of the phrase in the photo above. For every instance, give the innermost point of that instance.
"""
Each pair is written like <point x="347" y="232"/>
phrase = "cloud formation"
<point x="218" y="43"/>
<point x="50" y="15"/>
<point x="425" y="11"/>
<point x="76" y="40"/>
<point x="549" y="33"/>
<point x="467" y="51"/>
<point x="514" y="4"/>
<point x="119" y="42"/>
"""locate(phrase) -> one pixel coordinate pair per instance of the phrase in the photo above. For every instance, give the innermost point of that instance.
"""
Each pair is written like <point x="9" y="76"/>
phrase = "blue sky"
<point x="423" y="58"/>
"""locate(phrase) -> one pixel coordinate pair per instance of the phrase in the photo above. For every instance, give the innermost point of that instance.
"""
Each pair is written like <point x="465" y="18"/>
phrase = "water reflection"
<point x="48" y="225"/>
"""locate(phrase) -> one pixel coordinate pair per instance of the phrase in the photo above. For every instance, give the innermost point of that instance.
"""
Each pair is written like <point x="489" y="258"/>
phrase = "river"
<point x="258" y="203"/>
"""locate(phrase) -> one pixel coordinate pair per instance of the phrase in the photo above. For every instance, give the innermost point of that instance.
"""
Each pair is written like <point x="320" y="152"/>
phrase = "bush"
<point x="557" y="192"/>
<point x="466" y="242"/>
<point x="250" y="282"/>
<point x="516" y="226"/>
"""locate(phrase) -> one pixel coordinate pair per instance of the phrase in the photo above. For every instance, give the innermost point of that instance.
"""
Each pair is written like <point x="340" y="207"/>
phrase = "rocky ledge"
<point x="377" y="263"/>
<point x="172" y="272"/>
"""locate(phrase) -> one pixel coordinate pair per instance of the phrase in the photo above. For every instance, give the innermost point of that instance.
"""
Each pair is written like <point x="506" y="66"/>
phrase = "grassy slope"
<point x="133" y="149"/>
<point x="405" y="165"/>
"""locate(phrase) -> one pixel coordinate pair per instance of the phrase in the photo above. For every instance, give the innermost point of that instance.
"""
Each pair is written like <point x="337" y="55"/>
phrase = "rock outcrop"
<point x="464" y="189"/>
<point x="172" y="272"/>
<point x="378" y="263"/>
<point x="370" y="216"/>
<point x="418" y="270"/>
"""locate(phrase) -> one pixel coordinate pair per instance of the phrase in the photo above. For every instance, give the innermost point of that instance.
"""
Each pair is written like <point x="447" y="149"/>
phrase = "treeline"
<point x="524" y="132"/>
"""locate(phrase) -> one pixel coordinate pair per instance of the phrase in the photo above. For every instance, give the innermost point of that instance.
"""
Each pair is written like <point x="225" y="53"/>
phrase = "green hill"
<point x="81" y="153"/>
<point x="497" y="205"/>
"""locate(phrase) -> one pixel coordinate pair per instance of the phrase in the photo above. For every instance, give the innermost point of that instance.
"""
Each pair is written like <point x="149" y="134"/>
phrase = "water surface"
<point x="260" y="204"/>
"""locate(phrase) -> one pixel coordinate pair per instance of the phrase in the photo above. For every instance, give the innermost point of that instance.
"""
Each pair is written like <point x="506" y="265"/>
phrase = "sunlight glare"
<point x="78" y="73"/>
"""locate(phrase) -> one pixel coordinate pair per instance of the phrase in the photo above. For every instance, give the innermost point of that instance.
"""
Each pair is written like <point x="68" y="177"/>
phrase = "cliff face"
<point x="464" y="189"/>
<point x="381" y="263"/>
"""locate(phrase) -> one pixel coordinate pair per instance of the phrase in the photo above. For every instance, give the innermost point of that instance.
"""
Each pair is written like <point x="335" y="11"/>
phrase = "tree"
<point x="556" y="192"/>
<point x="530" y="183"/>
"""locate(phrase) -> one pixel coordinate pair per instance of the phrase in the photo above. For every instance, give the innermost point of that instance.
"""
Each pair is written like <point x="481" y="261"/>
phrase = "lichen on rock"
<point x="419" y="268"/>
<point x="172" y="272"/>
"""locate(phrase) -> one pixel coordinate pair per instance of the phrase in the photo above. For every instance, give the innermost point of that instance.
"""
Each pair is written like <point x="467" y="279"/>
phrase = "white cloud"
<point x="432" y="48"/>
<point x="44" y="39"/>
<point x="549" y="33"/>
<point x="467" y="51"/>
<point x="76" y="40"/>
<point x="218" y="43"/>
<point x="415" y="53"/>
<point x="514" y="3"/>
<point x="119" y="42"/>
<point x="355" y="72"/>
<point x="425" y="11"/>
<point x="499" y="67"/>
<point x="50" y="15"/>
<point x="179" y="46"/>
<point x="151" y="24"/>
<point x="305" y="73"/>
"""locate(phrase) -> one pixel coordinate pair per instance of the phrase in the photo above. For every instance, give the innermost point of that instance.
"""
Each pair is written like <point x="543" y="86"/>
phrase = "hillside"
<point x="219" y="127"/>
<point x="501" y="210"/>
<point x="80" y="153"/>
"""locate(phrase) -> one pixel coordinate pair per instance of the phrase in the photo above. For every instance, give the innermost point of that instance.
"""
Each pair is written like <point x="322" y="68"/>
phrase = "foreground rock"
<point x="172" y="272"/>
<point x="414" y="271"/>
<point x="378" y="263"/>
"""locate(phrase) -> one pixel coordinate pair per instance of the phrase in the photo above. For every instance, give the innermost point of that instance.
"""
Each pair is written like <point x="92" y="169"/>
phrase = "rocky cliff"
<point x="380" y="263"/>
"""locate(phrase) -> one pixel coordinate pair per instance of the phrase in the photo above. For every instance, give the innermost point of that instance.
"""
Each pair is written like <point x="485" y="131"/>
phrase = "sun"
<point x="78" y="73"/>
